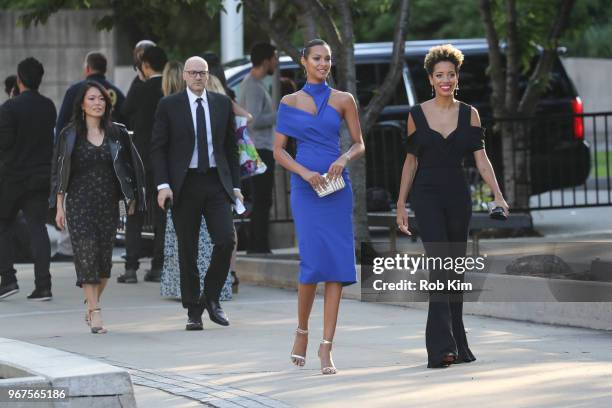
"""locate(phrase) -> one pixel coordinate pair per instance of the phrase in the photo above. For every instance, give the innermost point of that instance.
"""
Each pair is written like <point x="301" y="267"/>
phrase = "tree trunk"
<point x="539" y="78"/>
<point x="308" y="27"/>
<point x="357" y="169"/>
<point x="512" y="59"/>
<point x="396" y="66"/>
<point x="495" y="60"/>
<point x="277" y="32"/>
<point x="515" y="133"/>
<point x="505" y="101"/>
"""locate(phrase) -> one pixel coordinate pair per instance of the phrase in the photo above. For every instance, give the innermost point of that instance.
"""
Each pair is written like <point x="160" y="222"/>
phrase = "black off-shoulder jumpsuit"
<point x="441" y="200"/>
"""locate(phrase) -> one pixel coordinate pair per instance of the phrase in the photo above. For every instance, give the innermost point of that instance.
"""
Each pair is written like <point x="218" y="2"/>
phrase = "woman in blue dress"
<point x="313" y="117"/>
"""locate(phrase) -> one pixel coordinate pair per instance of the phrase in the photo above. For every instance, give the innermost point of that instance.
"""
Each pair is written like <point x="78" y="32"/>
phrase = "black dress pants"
<point x="34" y="205"/>
<point x="261" y="193"/>
<point x="203" y="194"/>
<point x="133" y="233"/>
<point x="443" y="226"/>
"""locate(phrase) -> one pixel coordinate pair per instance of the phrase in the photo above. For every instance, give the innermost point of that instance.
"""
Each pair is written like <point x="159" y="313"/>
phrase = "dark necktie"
<point x="202" y="137"/>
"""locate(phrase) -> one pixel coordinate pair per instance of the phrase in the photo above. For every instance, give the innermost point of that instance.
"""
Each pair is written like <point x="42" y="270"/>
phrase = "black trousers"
<point x="34" y="205"/>
<point x="203" y="194"/>
<point x="261" y="193"/>
<point x="443" y="226"/>
<point x="133" y="233"/>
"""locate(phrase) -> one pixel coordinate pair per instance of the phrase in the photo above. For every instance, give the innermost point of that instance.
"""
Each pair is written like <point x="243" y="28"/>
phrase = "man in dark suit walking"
<point x="195" y="163"/>
<point x="26" y="146"/>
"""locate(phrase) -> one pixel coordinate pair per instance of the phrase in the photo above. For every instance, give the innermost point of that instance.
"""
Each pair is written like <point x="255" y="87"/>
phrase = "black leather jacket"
<point x="127" y="163"/>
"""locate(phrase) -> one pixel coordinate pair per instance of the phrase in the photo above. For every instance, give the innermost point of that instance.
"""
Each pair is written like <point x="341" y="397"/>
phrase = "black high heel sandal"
<point x="447" y="360"/>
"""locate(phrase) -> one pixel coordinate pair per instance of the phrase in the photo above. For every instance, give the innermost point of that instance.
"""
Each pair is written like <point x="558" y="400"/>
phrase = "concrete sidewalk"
<point x="379" y="351"/>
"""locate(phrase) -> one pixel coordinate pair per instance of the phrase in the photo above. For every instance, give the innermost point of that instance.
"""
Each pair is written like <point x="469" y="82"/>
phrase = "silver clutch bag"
<point x="331" y="186"/>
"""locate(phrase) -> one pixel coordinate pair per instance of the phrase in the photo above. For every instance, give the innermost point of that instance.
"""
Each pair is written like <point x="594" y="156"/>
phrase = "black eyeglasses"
<point x="194" y="74"/>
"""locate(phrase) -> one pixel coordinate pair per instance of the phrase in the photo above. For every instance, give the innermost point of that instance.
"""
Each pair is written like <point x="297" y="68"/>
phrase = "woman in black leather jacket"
<point x="95" y="165"/>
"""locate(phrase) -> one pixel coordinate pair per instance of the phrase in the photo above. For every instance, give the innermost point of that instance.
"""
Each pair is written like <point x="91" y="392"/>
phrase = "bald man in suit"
<point x="194" y="157"/>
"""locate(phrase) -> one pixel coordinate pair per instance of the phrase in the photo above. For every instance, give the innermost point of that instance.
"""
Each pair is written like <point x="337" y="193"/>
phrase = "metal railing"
<point x="556" y="168"/>
<point x="564" y="171"/>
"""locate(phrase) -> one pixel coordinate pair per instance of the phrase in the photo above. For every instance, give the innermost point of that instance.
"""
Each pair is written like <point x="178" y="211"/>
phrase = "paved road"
<point x="379" y="350"/>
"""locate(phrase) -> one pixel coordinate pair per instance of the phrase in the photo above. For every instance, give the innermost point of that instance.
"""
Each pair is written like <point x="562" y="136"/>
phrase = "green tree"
<point x="175" y="25"/>
<point x="590" y="30"/>
<point x="520" y="24"/>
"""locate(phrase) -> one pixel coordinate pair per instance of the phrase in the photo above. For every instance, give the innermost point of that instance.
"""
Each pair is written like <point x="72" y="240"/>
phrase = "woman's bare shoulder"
<point x="289" y="99"/>
<point x="343" y="98"/>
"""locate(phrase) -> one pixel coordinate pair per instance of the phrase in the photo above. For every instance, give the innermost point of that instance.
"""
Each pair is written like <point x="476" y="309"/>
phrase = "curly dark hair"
<point x="78" y="116"/>
<point x="441" y="53"/>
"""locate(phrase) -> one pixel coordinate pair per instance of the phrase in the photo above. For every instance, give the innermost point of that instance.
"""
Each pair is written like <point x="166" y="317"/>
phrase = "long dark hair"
<point x="78" y="116"/>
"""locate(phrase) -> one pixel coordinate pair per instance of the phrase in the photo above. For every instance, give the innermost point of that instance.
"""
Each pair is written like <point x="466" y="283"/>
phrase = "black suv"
<point x="559" y="154"/>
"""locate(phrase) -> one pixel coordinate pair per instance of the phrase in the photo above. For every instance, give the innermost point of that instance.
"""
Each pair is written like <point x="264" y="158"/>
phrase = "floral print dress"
<point x="92" y="210"/>
<point x="170" y="276"/>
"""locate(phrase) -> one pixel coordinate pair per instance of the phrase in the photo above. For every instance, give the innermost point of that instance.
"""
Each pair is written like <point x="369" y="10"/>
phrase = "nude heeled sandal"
<point x="329" y="369"/>
<point x="96" y="329"/>
<point x="296" y="359"/>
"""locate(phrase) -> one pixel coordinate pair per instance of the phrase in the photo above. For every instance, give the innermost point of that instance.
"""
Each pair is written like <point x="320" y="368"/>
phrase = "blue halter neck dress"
<point x="324" y="226"/>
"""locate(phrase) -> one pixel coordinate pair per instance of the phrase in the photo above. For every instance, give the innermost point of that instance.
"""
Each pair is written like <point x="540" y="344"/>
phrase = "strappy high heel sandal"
<point x="96" y="329"/>
<point x="331" y="369"/>
<point x="296" y="359"/>
<point x="87" y="319"/>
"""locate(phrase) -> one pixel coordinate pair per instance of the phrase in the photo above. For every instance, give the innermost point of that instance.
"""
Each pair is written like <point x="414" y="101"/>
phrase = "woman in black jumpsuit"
<point x="441" y="197"/>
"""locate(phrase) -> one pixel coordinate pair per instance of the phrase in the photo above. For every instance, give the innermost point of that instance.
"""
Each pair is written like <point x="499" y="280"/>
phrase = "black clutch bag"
<point x="497" y="213"/>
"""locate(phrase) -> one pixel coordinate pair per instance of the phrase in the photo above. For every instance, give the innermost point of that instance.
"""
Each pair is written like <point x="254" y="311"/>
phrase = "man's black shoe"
<point x="215" y="312"/>
<point x="152" y="275"/>
<point x="59" y="257"/>
<point x="129" y="276"/>
<point x="40" y="294"/>
<point x="194" y="323"/>
<point x="8" y="289"/>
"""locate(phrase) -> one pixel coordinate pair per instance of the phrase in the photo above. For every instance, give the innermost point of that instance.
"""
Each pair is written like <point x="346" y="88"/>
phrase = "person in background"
<point x="128" y="112"/>
<point x="172" y="78"/>
<point x="26" y="146"/>
<point x="140" y="105"/>
<point x="215" y="84"/>
<point x="95" y="165"/>
<point x="139" y="79"/>
<point x="216" y="69"/>
<point x="10" y="86"/>
<point x="94" y="69"/>
<point x="255" y="99"/>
